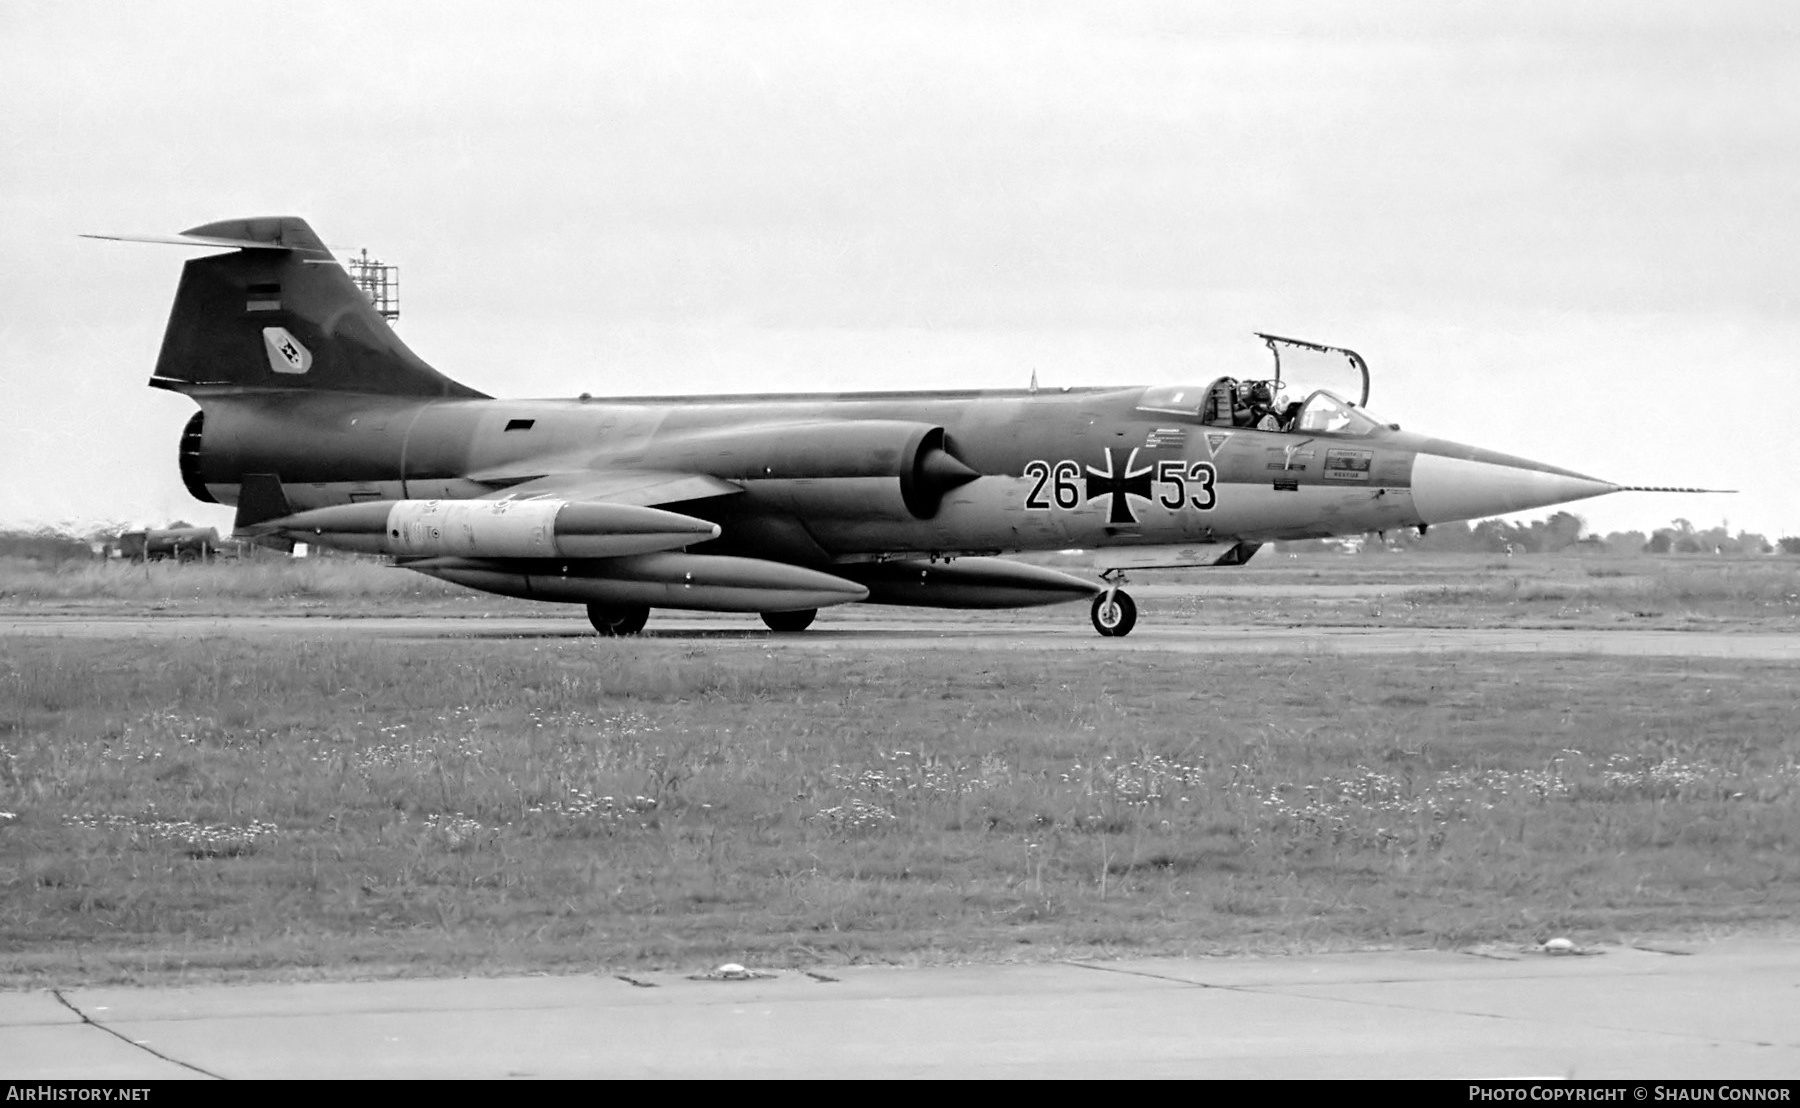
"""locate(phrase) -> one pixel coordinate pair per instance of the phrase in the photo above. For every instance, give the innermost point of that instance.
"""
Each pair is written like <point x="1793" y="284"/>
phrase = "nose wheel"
<point x="613" y="621"/>
<point x="1115" y="614"/>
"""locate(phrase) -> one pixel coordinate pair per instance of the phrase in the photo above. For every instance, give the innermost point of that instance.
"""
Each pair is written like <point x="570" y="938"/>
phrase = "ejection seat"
<point x="1221" y="400"/>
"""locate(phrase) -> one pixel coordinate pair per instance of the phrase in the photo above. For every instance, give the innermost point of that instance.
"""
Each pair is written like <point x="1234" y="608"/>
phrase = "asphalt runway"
<point x="1071" y="632"/>
<point x="1721" y="1011"/>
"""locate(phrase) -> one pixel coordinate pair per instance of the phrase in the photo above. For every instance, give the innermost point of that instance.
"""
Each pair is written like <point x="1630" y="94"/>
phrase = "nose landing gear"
<point x="1114" y="613"/>
<point x="613" y="621"/>
<point x="789" y="622"/>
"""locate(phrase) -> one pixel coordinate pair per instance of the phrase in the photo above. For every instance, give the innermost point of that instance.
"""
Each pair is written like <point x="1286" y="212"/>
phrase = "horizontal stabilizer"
<point x="210" y="241"/>
<point x="271" y="232"/>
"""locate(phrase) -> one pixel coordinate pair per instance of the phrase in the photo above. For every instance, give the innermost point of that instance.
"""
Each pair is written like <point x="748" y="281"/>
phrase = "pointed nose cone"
<point x="1478" y="483"/>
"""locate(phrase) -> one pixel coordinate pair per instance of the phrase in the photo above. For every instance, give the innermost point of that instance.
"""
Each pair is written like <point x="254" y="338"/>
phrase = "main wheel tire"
<point x="788" y="622"/>
<point x="613" y="621"/>
<point x="1114" y="614"/>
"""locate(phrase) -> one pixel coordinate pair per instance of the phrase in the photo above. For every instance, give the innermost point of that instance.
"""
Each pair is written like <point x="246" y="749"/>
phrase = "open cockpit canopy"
<point x="1266" y="405"/>
<point x="1305" y="372"/>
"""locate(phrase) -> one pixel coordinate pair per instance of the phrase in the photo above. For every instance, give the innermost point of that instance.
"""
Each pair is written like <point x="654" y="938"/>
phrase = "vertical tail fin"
<point x="279" y="313"/>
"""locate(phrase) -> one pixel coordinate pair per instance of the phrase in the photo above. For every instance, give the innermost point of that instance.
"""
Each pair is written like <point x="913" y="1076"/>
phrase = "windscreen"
<point x="1326" y="413"/>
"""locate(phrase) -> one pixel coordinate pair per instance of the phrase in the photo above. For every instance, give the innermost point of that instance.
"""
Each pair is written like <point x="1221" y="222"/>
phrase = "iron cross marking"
<point x="1119" y="482"/>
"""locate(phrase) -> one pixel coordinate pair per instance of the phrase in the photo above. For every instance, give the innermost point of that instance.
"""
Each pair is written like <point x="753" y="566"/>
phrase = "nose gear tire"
<point x="787" y="622"/>
<point x="613" y="621"/>
<point x="1114" y="614"/>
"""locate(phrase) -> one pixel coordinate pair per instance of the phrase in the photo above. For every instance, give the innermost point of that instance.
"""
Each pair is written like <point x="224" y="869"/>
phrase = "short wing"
<point x="642" y="487"/>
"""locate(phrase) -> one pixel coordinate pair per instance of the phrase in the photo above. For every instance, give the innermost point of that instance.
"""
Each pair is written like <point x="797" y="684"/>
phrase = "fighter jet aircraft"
<point x="320" y="425"/>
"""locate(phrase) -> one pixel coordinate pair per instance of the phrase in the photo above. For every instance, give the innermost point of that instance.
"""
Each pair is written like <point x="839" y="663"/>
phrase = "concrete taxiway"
<point x="949" y="632"/>
<point x="1722" y="1011"/>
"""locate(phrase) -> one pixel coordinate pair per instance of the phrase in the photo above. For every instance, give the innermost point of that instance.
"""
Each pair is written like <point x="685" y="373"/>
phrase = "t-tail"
<point x="277" y="314"/>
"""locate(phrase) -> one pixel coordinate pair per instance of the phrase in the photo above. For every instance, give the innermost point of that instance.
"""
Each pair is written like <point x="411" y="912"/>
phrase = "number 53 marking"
<point x="1170" y="476"/>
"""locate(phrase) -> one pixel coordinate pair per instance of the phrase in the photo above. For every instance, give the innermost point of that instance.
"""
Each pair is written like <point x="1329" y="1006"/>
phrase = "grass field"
<point x="1445" y="590"/>
<point x="256" y="807"/>
<point x="270" y="580"/>
<point x="1462" y="590"/>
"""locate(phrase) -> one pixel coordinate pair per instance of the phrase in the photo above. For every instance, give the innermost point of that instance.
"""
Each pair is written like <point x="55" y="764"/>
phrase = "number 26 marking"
<point x="1061" y="478"/>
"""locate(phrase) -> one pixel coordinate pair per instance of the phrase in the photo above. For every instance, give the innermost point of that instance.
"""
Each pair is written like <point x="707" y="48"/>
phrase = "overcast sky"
<point x="1565" y="231"/>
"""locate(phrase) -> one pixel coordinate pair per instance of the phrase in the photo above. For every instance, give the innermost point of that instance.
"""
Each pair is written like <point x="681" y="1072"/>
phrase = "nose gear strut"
<point x="1114" y="612"/>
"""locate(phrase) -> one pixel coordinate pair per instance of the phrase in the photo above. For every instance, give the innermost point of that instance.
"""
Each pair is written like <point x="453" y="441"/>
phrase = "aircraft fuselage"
<point x="322" y="426"/>
<point x="1081" y="468"/>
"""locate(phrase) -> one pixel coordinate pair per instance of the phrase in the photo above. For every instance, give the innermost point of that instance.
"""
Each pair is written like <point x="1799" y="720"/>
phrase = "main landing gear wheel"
<point x="612" y="621"/>
<point x="790" y="621"/>
<point x="1114" y="614"/>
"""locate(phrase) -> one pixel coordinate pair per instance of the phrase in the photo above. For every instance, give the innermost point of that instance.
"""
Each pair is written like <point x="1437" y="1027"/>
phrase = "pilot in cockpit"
<point x="1260" y="407"/>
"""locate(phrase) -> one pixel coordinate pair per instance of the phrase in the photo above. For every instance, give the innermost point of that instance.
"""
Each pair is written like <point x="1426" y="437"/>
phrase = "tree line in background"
<point x="1566" y="531"/>
<point x="45" y="546"/>
<point x="1559" y="532"/>
<point x="180" y="540"/>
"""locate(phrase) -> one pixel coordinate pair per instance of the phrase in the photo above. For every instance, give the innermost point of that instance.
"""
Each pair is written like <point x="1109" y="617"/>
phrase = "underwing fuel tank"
<point x="697" y="582"/>
<point x="967" y="583"/>
<point x="495" y="528"/>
